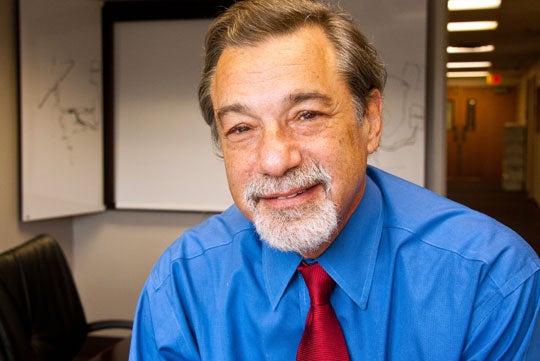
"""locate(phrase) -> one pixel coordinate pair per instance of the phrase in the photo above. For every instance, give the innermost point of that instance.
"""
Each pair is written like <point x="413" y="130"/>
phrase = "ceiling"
<point x="516" y="39"/>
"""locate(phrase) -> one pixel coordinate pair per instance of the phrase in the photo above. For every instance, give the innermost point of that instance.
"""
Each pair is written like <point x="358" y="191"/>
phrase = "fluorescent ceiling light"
<point x="467" y="74"/>
<point x="468" y="64"/>
<point x="470" y="49"/>
<point x="454" y="5"/>
<point x="472" y="25"/>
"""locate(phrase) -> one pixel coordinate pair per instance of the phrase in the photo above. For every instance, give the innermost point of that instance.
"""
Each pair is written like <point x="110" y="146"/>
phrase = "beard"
<point x="302" y="229"/>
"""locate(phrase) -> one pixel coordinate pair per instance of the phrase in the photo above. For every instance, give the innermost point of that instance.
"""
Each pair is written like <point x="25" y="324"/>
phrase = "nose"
<point x="278" y="152"/>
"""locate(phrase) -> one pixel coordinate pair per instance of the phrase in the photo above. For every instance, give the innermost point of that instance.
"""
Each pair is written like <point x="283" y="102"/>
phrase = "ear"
<point x="373" y="117"/>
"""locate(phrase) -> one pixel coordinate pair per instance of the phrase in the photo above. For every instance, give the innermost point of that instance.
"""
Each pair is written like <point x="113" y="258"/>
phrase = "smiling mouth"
<point x="297" y="186"/>
<point x="287" y="196"/>
<point x="291" y="195"/>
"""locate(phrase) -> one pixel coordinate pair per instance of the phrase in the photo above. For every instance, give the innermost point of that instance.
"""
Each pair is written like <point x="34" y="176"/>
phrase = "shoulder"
<point x="405" y="202"/>
<point x="208" y="244"/>
<point x="422" y="219"/>
<point x="433" y="217"/>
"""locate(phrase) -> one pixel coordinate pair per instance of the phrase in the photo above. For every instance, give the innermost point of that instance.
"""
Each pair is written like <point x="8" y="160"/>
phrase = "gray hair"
<point x="249" y="22"/>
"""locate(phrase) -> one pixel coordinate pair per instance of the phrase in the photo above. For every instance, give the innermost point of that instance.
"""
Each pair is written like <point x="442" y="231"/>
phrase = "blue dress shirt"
<point x="418" y="277"/>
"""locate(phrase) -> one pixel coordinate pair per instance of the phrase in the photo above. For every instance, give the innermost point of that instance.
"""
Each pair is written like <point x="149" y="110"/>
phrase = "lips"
<point x="296" y="186"/>
<point x="291" y="195"/>
<point x="286" y="195"/>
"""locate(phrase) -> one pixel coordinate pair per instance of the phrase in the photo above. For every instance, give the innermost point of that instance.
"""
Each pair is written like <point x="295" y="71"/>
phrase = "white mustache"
<point x="304" y="177"/>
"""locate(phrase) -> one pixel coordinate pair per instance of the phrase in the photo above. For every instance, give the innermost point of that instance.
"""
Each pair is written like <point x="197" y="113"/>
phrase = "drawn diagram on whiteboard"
<point x="73" y="116"/>
<point x="401" y="127"/>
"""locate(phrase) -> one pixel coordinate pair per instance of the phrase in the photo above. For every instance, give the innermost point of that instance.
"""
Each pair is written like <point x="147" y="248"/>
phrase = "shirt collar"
<point x="278" y="268"/>
<point x="350" y="260"/>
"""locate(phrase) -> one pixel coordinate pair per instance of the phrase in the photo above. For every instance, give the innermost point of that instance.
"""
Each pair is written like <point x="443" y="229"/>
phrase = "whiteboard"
<point x="398" y="31"/>
<point x="162" y="149"/>
<point x="61" y="108"/>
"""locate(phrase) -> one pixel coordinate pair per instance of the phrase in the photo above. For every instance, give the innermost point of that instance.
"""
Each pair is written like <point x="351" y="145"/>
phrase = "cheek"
<point x="235" y="174"/>
<point x="238" y="173"/>
<point x="345" y="152"/>
<point x="347" y="163"/>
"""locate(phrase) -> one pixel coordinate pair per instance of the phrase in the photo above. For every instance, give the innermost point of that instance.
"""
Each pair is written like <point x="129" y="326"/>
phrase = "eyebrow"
<point x="292" y="99"/>
<point x="233" y="108"/>
<point x="297" y="98"/>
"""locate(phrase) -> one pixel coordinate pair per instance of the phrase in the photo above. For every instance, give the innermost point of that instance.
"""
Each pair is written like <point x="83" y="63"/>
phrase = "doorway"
<point x="475" y="131"/>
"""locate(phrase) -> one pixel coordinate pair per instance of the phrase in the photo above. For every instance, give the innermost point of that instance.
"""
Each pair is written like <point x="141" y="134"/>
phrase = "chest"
<point x="405" y="319"/>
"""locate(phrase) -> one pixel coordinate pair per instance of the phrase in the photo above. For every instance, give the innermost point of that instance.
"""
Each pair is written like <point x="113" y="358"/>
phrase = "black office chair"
<point x="41" y="315"/>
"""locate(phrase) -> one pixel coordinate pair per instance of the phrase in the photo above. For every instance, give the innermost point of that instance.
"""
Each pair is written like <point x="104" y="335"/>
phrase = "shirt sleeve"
<point x="143" y="342"/>
<point x="511" y="329"/>
<point x="159" y="333"/>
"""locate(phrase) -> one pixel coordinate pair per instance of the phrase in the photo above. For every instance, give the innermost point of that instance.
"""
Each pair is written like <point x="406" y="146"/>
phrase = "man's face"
<point x="292" y="145"/>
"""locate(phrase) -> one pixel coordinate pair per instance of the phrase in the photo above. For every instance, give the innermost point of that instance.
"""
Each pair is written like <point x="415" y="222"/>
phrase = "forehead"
<point x="303" y="57"/>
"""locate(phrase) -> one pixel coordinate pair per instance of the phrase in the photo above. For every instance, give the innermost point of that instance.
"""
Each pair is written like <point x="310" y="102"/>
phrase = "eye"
<point x="238" y="130"/>
<point x="308" y="115"/>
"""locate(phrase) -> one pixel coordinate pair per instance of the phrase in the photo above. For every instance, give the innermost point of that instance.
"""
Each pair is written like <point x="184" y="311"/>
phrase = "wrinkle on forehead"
<point x="299" y="64"/>
<point x="275" y="56"/>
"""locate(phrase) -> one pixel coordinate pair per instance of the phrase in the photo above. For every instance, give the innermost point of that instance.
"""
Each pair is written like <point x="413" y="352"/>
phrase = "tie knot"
<point x="320" y="285"/>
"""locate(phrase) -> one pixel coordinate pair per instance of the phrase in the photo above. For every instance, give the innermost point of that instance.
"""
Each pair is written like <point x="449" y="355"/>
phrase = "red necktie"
<point x="322" y="339"/>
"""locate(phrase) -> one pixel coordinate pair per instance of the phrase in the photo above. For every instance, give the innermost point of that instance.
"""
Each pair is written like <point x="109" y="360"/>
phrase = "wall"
<point x="477" y="151"/>
<point x="114" y="252"/>
<point x="435" y="164"/>
<point x="12" y="231"/>
<point x="533" y="145"/>
<point x="522" y="113"/>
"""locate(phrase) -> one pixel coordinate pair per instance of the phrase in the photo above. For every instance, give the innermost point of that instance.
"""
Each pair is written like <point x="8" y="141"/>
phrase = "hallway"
<point x="514" y="209"/>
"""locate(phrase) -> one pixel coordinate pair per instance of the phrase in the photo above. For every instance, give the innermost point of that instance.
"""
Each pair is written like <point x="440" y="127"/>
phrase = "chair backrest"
<point x="41" y="315"/>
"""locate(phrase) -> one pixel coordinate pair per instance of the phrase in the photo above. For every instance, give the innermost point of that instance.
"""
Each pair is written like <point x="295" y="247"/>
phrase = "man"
<point x="292" y="92"/>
